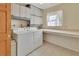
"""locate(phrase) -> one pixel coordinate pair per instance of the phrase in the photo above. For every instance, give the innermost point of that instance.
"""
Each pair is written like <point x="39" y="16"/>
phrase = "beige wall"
<point x="18" y="23"/>
<point x="70" y="16"/>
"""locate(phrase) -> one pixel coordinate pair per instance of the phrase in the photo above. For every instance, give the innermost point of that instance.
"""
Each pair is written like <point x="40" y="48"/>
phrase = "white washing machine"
<point x="27" y="41"/>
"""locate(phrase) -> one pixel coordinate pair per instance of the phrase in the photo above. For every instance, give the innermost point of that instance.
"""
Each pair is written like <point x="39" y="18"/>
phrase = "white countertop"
<point x="62" y="32"/>
<point x="24" y="30"/>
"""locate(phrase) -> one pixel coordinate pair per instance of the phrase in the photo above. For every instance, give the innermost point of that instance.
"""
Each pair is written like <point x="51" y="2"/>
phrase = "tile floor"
<point x="48" y="49"/>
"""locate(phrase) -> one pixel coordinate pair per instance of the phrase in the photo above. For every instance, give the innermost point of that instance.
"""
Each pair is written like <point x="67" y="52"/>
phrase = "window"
<point x="54" y="19"/>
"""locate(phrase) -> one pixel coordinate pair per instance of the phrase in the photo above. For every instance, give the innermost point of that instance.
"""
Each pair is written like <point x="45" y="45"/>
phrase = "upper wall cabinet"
<point x="36" y="20"/>
<point x="36" y="11"/>
<point x="15" y="10"/>
<point x="24" y="12"/>
<point x="36" y="15"/>
<point x="21" y="12"/>
<point x="32" y="10"/>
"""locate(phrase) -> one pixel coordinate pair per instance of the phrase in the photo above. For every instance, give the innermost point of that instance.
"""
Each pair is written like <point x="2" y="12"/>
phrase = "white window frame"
<point x="59" y="14"/>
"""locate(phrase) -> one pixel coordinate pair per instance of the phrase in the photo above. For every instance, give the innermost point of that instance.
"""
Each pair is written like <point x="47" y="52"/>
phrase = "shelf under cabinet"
<point x="19" y="18"/>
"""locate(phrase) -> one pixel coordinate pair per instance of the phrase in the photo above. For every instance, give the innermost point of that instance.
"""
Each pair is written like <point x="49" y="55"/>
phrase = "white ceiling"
<point x="44" y="5"/>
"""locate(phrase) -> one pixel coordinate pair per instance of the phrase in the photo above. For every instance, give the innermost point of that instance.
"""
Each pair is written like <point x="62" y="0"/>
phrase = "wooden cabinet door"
<point x="36" y="20"/>
<point x="5" y="29"/>
<point x="15" y="9"/>
<point x="2" y="48"/>
<point x="24" y="12"/>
